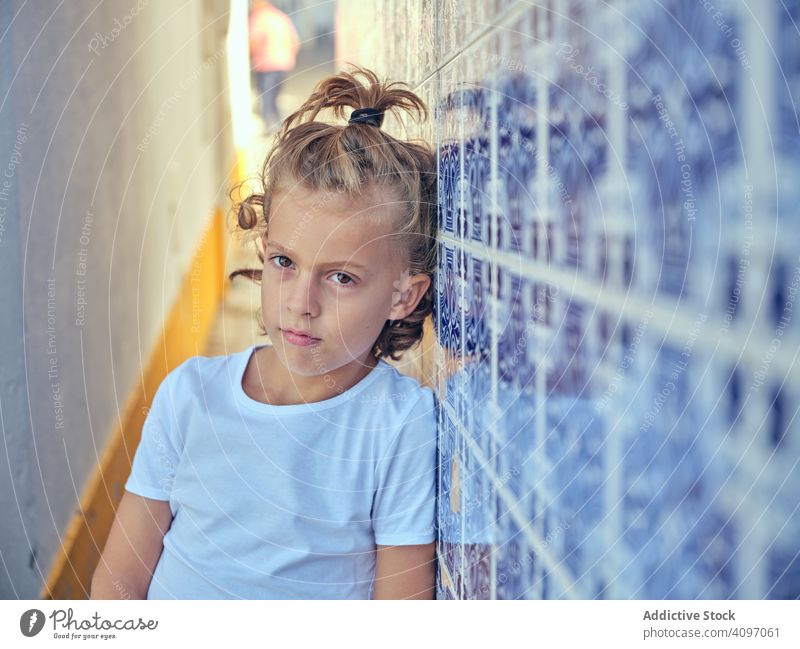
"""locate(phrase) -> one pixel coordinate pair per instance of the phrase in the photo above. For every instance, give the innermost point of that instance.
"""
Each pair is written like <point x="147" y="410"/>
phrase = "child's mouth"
<point x="295" y="339"/>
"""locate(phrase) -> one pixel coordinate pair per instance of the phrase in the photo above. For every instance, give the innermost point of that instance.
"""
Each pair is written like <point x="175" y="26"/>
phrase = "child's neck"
<point x="267" y="380"/>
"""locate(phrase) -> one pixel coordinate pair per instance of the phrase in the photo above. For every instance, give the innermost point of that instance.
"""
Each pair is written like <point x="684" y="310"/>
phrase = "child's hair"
<point x="355" y="159"/>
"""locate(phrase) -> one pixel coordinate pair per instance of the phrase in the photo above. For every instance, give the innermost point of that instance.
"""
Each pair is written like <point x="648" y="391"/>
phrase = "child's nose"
<point x="302" y="299"/>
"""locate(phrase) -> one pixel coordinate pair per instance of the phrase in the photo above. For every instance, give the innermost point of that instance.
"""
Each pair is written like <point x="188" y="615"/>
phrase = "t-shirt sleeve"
<point x="405" y="495"/>
<point x="156" y="458"/>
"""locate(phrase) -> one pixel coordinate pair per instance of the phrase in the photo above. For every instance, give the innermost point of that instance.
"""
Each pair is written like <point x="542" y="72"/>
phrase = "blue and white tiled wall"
<point x="619" y="262"/>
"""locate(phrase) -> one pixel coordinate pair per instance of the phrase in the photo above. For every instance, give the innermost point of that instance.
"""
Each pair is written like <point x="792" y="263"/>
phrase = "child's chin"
<point x="307" y="361"/>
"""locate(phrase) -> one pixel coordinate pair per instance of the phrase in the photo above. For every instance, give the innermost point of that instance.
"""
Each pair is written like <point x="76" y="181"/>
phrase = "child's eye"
<point x="350" y="281"/>
<point x="280" y="257"/>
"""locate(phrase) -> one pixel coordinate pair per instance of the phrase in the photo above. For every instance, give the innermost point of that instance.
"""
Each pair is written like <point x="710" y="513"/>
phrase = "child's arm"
<point x="405" y="572"/>
<point x="133" y="548"/>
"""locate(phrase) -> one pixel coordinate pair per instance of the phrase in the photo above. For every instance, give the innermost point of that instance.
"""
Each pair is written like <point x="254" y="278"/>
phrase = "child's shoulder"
<point x="398" y="395"/>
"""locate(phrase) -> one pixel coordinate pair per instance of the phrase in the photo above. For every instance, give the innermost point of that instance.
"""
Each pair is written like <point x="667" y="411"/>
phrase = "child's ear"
<point x="408" y="292"/>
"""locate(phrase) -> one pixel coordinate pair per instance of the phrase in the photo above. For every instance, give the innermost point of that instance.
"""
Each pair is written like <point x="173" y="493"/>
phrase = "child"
<point x="304" y="468"/>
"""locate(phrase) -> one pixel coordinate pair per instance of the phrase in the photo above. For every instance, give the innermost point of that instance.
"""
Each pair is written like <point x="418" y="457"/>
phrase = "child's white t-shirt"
<point x="284" y="501"/>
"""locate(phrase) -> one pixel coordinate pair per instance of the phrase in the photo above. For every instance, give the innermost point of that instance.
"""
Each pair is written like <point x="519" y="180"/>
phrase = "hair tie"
<point x="371" y="116"/>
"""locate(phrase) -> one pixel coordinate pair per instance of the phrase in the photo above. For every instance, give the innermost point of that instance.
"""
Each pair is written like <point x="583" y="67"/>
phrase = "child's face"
<point x="331" y="269"/>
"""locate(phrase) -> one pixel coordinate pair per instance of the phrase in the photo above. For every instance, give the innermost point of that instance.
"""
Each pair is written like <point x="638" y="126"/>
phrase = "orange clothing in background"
<point x="273" y="40"/>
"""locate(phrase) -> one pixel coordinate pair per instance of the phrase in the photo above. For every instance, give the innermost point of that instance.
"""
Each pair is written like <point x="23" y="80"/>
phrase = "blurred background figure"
<point x="274" y="44"/>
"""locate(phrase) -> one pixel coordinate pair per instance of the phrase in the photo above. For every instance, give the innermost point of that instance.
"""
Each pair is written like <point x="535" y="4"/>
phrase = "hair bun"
<point x="343" y="93"/>
<point x="369" y="115"/>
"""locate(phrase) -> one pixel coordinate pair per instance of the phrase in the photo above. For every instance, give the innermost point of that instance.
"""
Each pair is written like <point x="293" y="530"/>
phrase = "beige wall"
<point x="116" y="128"/>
